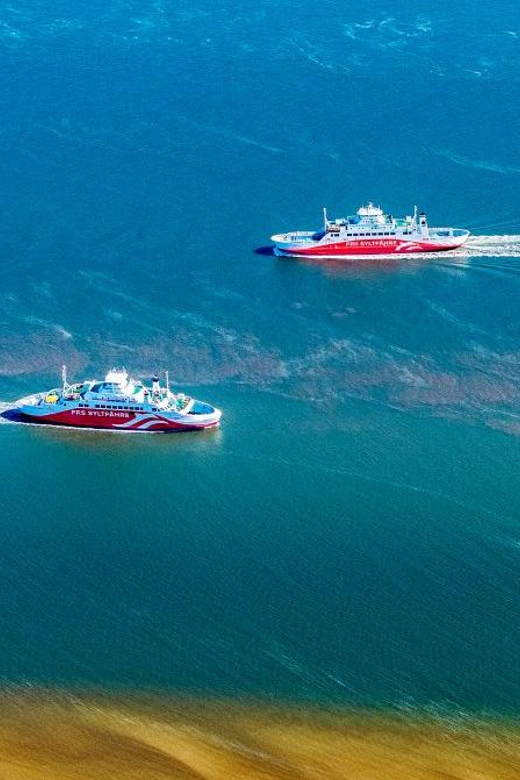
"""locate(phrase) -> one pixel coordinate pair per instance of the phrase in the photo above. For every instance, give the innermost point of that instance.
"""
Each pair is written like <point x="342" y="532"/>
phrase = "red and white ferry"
<point x="369" y="232"/>
<point x="119" y="403"/>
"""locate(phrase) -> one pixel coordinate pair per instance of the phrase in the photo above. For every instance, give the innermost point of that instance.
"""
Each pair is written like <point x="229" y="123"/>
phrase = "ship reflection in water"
<point x="48" y="737"/>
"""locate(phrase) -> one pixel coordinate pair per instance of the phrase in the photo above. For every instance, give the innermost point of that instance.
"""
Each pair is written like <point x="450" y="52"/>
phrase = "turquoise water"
<point x="351" y="533"/>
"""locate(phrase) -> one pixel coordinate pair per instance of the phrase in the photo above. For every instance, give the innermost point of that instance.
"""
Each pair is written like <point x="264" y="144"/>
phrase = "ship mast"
<point x="325" y="218"/>
<point x="64" y="377"/>
<point x="167" y="375"/>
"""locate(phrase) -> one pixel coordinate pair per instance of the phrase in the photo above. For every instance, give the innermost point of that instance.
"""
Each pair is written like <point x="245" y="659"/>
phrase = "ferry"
<point x="369" y="232"/>
<point x="119" y="403"/>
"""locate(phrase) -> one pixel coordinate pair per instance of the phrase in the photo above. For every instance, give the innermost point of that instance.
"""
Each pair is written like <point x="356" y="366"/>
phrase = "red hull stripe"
<point x="370" y="248"/>
<point x="146" y="422"/>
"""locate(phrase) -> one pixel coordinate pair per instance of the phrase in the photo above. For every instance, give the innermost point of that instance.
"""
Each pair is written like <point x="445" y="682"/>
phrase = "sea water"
<point x="349" y="537"/>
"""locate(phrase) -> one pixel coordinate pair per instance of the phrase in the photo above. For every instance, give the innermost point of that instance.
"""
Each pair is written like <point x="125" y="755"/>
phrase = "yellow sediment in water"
<point x="45" y="737"/>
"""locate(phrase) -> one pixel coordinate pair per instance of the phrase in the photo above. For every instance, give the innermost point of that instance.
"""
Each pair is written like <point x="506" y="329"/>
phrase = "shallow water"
<point x="57" y="737"/>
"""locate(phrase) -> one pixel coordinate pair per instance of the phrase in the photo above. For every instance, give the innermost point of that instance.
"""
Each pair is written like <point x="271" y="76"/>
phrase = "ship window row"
<point x="386" y="233"/>
<point x="362" y="235"/>
<point x="122" y="408"/>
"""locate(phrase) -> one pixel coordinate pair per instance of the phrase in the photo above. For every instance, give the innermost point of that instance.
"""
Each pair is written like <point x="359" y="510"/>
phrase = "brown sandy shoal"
<point x="65" y="737"/>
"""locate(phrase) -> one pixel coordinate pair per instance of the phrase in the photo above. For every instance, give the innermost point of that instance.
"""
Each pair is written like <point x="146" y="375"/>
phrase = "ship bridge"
<point x="117" y="376"/>
<point x="370" y="211"/>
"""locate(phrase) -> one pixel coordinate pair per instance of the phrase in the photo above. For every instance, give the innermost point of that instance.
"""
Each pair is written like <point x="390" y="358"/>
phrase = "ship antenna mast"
<point x="167" y="375"/>
<point x="325" y="218"/>
<point x="64" y="377"/>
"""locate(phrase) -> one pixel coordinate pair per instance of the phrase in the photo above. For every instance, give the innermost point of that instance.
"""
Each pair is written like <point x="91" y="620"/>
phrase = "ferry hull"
<point x="125" y="421"/>
<point x="355" y="248"/>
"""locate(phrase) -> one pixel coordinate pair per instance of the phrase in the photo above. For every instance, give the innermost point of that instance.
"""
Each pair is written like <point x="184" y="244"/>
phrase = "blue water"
<point x="351" y="532"/>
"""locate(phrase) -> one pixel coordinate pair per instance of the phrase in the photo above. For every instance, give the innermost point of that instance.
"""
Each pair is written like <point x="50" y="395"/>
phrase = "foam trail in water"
<point x="493" y="246"/>
<point x="493" y="240"/>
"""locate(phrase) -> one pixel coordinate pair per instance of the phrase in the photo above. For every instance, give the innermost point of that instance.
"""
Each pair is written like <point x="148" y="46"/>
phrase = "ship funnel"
<point x="423" y="225"/>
